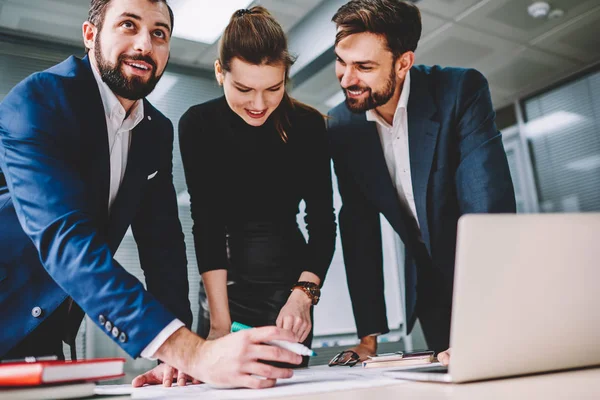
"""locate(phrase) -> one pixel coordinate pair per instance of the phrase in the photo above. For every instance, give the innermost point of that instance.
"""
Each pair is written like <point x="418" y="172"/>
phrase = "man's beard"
<point x="131" y="88"/>
<point x="375" y="99"/>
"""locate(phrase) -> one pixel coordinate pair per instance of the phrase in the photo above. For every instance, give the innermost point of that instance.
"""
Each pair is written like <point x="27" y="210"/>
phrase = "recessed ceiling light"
<point x="539" y="9"/>
<point x="203" y="20"/>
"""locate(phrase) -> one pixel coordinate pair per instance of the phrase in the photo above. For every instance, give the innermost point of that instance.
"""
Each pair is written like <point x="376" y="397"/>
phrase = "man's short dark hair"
<point x="98" y="12"/>
<point x="398" y="21"/>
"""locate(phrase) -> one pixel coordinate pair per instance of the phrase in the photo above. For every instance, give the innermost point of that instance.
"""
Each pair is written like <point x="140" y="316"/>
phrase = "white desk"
<point x="581" y="384"/>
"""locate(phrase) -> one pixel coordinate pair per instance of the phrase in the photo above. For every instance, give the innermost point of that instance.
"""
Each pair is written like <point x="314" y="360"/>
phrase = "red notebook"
<point x="47" y="372"/>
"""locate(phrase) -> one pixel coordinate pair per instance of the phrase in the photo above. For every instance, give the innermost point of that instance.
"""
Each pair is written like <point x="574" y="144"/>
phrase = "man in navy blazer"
<point x="83" y="156"/>
<point x="417" y="144"/>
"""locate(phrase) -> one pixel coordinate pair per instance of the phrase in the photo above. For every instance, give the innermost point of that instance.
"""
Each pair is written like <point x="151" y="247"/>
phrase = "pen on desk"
<point x="297" y="348"/>
<point x="30" y="359"/>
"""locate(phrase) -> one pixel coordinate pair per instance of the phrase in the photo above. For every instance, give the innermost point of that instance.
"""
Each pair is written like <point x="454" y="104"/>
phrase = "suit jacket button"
<point x="122" y="337"/>
<point x="108" y="326"/>
<point x="115" y="332"/>
<point x="36" y="312"/>
<point x="102" y="319"/>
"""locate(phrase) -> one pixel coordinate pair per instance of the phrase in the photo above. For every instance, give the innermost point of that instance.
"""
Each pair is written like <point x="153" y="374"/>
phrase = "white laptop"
<point x="526" y="297"/>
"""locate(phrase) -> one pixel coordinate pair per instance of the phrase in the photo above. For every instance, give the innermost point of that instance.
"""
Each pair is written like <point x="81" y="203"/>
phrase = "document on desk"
<point x="318" y="379"/>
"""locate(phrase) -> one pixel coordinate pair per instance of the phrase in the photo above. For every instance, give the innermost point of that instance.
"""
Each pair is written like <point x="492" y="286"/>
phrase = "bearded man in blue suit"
<point x="83" y="156"/>
<point x="417" y="144"/>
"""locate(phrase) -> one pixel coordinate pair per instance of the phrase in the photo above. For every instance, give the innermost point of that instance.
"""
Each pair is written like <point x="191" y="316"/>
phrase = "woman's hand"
<point x="295" y="315"/>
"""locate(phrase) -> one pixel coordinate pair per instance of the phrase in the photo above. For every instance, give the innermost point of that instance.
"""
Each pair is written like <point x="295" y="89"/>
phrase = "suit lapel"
<point x="422" y="137"/>
<point x="368" y="162"/>
<point x="93" y="127"/>
<point x="130" y="191"/>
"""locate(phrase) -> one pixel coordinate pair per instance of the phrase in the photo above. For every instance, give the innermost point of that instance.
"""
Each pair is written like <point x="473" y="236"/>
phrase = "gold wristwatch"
<point x="311" y="289"/>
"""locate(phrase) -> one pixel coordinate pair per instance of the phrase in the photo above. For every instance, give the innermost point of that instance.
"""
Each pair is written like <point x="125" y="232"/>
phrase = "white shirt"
<point x="119" y="127"/>
<point x="394" y="142"/>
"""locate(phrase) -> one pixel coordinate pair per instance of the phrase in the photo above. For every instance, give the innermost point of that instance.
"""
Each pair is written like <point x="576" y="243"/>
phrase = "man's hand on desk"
<point x="230" y="361"/>
<point x="164" y="374"/>
<point x="444" y="357"/>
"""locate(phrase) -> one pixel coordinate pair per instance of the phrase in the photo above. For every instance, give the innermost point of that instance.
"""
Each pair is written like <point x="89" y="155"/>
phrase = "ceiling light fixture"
<point x="203" y="20"/>
<point x="539" y="9"/>
<point x="542" y="9"/>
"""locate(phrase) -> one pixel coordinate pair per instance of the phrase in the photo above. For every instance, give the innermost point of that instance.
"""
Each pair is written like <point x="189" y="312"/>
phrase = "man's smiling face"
<point x="365" y="68"/>
<point x="131" y="48"/>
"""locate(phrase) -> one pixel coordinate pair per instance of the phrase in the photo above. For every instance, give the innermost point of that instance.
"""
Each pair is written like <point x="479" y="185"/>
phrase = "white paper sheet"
<point x="312" y="380"/>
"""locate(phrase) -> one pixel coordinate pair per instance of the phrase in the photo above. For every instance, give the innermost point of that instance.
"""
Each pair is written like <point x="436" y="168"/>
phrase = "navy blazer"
<point x="57" y="237"/>
<point x="458" y="166"/>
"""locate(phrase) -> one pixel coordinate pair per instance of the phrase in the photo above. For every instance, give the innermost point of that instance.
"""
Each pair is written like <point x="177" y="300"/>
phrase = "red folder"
<point x="48" y="372"/>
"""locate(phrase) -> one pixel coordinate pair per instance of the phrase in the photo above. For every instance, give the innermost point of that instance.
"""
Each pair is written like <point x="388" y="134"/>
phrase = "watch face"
<point x="316" y="292"/>
<point x="311" y="289"/>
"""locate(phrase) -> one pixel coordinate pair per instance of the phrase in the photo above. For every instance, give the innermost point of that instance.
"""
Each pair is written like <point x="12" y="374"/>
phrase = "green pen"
<point x="297" y="348"/>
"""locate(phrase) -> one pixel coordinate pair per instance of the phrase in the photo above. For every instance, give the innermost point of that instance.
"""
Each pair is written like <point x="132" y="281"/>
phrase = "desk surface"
<point x="580" y="384"/>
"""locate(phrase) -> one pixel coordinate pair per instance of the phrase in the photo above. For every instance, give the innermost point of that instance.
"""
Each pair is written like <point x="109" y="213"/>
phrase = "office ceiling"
<point x="61" y="20"/>
<point x="517" y="53"/>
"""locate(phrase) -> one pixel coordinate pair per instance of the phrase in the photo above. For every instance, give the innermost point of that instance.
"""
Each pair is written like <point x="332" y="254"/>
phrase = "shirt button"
<point x="149" y="118"/>
<point x="122" y="337"/>
<point x="102" y="319"/>
<point x="108" y="326"/>
<point x="115" y="332"/>
<point x="36" y="312"/>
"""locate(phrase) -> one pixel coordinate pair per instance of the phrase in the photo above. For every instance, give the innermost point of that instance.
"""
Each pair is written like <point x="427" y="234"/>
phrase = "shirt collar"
<point x="373" y="115"/>
<point x="112" y="106"/>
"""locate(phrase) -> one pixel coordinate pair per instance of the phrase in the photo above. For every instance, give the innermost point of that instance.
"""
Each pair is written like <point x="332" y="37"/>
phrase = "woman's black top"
<point x="245" y="185"/>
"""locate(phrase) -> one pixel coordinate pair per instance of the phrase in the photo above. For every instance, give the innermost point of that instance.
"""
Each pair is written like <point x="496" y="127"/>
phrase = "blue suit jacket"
<point x="57" y="239"/>
<point x="458" y="166"/>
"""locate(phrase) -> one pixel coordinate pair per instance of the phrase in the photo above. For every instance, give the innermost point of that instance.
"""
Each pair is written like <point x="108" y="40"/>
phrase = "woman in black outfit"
<point x="249" y="158"/>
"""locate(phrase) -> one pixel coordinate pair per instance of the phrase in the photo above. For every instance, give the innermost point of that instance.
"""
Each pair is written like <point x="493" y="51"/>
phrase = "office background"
<point x="544" y="76"/>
